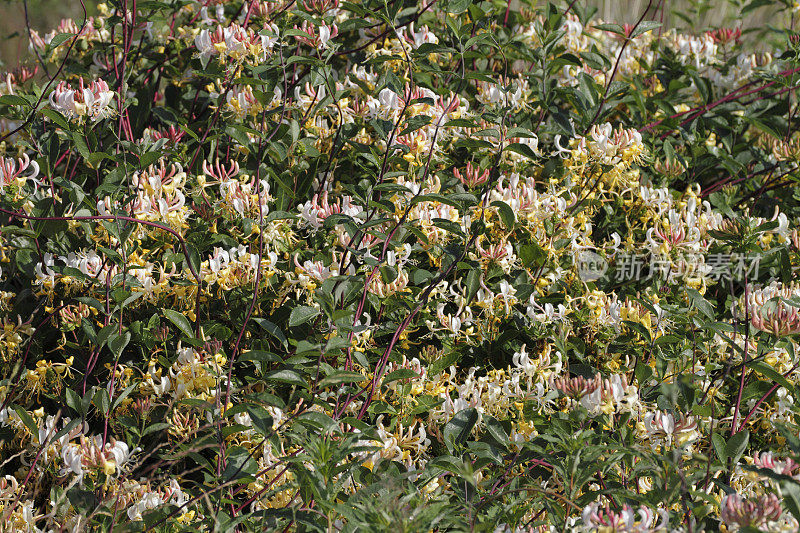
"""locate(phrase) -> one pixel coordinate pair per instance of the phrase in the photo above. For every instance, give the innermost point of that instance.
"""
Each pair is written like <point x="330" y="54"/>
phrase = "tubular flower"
<point x="756" y="512"/>
<point x="771" y="312"/>
<point x="93" y="101"/>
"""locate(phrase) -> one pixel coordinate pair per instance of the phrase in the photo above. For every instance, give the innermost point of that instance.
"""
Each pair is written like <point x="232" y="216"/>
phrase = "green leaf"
<point x="104" y="335"/>
<point x="180" y="321"/>
<point x="473" y="283"/>
<point x="522" y="149"/>
<point x="790" y="490"/>
<point x="193" y="256"/>
<point x="117" y="343"/>
<point x="27" y="419"/>
<point x="449" y="226"/>
<point x="13" y="100"/>
<point x="505" y="212"/>
<point x="766" y="370"/>
<point x="461" y="123"/>
<point x="148" y="159"/>
<point x="68" y="427"/>
<point x="259" y="355"/>
<point x="416" y="122"/>
<point x="273" y="330"/>
<point x="669" y="152"/>
<point x="755" y="4"/>
<point x="153" y="428"/>
<point x="458" y="6"/>
<point x="792" y="439"/>
<point x="532" y="255"/>
<point x="340" y="377"/>
<point x="125" y="393"/>
<point x="400" y="373"/>
<point x="392" y="187"/>
<point x="737" y="445"/>
<point x="613" y="28"/>
<point x="57" y="118"/>
<point x="287" y="376"/>
<point x="74" y="401"/>
<point x="302" y="314"/>
<point x="96" y="157"/>
<point x="445" y="361"/>
<point x="644" y="27"/>
<point x="84" y="501"/>
<point x="80" y="144"/>
<point x="457" y="431"/>
<point x="719" y="446"/>
<point x="101" y="400"/>
<point x="318" y="420"/>
<point x="700" y="303"/>
<point x="59" y="39"/>
<point x="497" y="432"/>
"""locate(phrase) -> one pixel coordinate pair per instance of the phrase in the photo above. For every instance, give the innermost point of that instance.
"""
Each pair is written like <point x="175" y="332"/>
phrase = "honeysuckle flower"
<point x="320" y="6"/>
<point x="316" y="270"/>
<point x="270" y="36"/>
<point x="424" y="35"/>
<point x="89" y="263"/>
<point x="394" y="289"/>
<point x="205" y="18"/>
<point x="507" y="292"/>
<point x="92" y="454"/>
<point x="663" y="427"/>
<point x="573" y="33"/>
<point x="695" y="50"/>
<point x="561" y="151"/>
<point x="389" y="99"/>
<point x="757" y="512"/>
<point x="150" y="500"/>
<point x="774" y="308"/>
<point x="598" y="518"/>
<point x="12" y="171"/>
<point x="241" y="101"/>
<point x="314" y="212"/>
<point x="599" y="395"/>
<point x="219" y="171"/>
<point x="326" y="33"/>
<point x="785" y="400"/>
<point x="522" y="361"/>
<point x="316" y="36"/>
<point x="767" y="460"/>
<point x="93" y="101"/>
<point x="546" y="313"/>
<point x="209" y="43"/>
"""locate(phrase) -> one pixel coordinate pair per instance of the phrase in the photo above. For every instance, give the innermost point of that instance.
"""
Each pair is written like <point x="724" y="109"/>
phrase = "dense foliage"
<point x="369" y="265"/>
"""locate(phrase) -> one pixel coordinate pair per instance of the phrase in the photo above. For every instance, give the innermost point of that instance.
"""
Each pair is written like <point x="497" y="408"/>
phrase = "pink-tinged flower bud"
<point x="755" y="512"/>
<point x="770" y="312"/>
<point x="767" y="460"/>
<point x="472" y="176"/>
<point x="171" y="134"/>
<point x="725" y="35"/>
<point x="320" y="6"/>
<point x="219" y="172"/>
<point x="316" y="36"/>
<point x="577" y="387"/>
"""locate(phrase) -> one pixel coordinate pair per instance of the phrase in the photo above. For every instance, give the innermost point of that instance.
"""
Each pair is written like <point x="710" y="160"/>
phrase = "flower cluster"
<point x="262" y="261"/>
